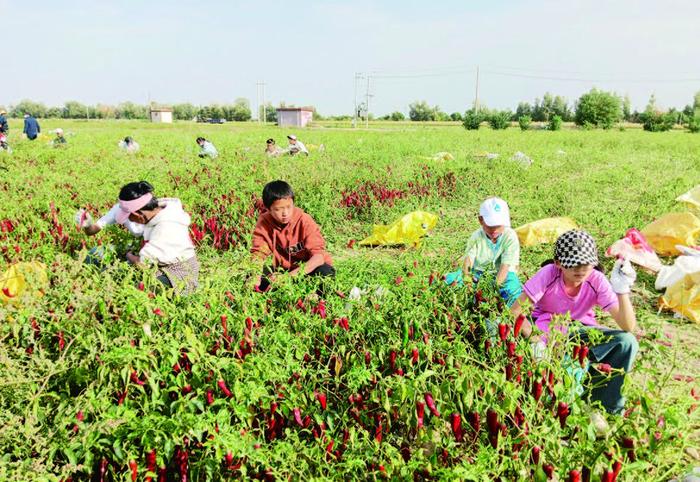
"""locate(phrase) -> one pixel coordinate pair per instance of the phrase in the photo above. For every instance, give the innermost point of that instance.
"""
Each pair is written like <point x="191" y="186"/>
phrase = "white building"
<point x="162" y="114"/>
<point x="294" y="116"/>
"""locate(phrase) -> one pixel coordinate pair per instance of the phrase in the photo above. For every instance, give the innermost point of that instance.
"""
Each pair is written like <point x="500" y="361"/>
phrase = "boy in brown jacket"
<point x="290" y="235"/>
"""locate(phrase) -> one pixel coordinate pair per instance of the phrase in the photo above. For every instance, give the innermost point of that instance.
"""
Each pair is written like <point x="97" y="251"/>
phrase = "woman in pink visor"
<point x="164" y="226"/>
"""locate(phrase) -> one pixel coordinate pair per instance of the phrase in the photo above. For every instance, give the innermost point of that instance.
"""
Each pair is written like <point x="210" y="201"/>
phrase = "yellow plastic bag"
<point x="671" y="229"/>
<point x="545" y="230"/>
<point x="408" y="230"/>
<point x="684" y="297"/>
<point x="22" y="280"/>
<point x="691" y="199"/>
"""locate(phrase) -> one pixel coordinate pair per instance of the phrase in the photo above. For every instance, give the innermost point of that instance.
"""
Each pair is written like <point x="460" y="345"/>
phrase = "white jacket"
<point x="167" y="235"/>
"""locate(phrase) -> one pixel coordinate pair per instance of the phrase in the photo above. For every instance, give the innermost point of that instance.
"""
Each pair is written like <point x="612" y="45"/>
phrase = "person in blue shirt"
<point x="4" y="130"/>
<point x="31" y="127"/>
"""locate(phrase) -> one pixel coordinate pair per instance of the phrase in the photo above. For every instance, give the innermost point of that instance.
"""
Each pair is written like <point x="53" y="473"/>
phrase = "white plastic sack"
<point x="670" y="275"/>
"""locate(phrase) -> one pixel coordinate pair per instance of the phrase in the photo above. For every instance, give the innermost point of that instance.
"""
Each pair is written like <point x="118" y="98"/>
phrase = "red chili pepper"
<point x="616" y="468"/>
<point x="474" y="422"/>
<point x="576" y="351"/>
<point x="135" y="378"/>
<point x="297" y="417"/>
<point x="398" y="280"/>
<point x="134" y="470"/>
<point x="563" y="412"/>
<point x="321" y="397"/>
<point x="420" y="413"/>
<point x="103" y="469"/>
<point x="492" y="421"/>
<point x="510" y="348"/>
<point x="519" y="321"/>
<point x="574" y="476"/>
<point x="535" y="455"/>
<point x="224" y="325"/>
<point x="392" y="360"/>
<point x="583" y="354"/>
<point x="222" y="385"/>
<point x="509" y="371"/>
<point x="548" y="470"/>
<point x="503" y="331"/>
<point x="210" y="397"/>
<point x="151" y="463"/>
<point x="456" y="422"/>
<point x="414" y="356"/>
<point x="604" y="368"/>
<point x="368" y="357"/>
<point x="122" y="397"/>
<point x="431" y="404"/>
<point x="351" y="243"/>
<point x="61" y="341"/>
<point x="607" y="476"/>
<point x="536" y="390"/>
<point x="431" y="279"/>
<point x="518" y="416"/>
<point x="6" y="291"/>
<point x="158" y="312"/>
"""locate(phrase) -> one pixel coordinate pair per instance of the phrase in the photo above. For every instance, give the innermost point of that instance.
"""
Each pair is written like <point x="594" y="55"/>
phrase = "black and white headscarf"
<point x="575" y="248"/>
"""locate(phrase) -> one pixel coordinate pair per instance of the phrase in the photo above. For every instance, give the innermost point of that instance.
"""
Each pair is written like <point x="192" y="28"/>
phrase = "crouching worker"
<point x="573" y="285"/>
<point x="164" y="226"/>
<point x="494" y="249"/>
<point x="290" y="235"/>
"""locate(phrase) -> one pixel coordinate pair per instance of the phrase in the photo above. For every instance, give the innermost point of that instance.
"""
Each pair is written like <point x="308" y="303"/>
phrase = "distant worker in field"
<point x="4" y="131"/>
<point x="494" y="249"/>
<point x="60" y="139"/>
<point x="207" y="149"/>
<point x="163" y="224"/>
<point x="32" y="129"/>
<point x="129" y="145"/>
<point x="290" y="236"/>
<point x="296" y="146"/>
<point x="272" y="149"/>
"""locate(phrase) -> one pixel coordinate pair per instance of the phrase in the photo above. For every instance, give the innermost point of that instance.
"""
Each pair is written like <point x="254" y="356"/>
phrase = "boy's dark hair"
<point x="135" y="190"/>
<point x="598" y="267"/>
<point x="276" y="190"/>
<point x="270" y="141"/>
<point x="128" y="139"/>
<point x="200" y="139"/>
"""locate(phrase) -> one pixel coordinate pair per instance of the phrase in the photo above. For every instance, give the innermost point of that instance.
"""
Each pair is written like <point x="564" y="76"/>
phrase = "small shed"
<point x="294" y="116"/>
<point x="162" y="114"/>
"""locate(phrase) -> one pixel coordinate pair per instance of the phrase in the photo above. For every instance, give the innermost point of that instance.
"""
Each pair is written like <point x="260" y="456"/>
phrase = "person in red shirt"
<point x="290" y="236"/>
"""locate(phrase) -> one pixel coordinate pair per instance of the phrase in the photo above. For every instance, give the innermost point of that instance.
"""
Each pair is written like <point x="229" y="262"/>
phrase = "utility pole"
<point x="354" y="112"/>
<point x="260" y="88"/>
<point x="367" y="103"/>
<point x="476" y="95"/>
<point x="257" y="101"/>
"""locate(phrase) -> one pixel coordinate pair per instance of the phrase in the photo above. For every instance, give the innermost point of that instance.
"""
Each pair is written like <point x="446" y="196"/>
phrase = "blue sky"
<point x="307" y="52"/>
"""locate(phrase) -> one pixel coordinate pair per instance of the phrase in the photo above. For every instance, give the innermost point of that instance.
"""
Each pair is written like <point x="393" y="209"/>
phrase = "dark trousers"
<point x="325" y="270"/>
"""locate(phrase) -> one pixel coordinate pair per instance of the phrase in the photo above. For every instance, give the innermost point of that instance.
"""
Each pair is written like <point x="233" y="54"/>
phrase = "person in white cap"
<point x="59" y="140"/>
<point x="494" y="248"/>
<point x="296" y="146"/>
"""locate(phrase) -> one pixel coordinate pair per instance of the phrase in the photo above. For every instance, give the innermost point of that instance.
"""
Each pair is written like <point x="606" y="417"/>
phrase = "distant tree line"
<point x="239" y="110"/>
<point x="594" y="109"/>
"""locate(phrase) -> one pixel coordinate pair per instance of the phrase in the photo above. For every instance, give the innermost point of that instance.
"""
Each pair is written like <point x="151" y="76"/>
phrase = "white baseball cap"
<point x="292" y="137"/>
<point x="495" y="212"/>
<point x="59" y="131"/>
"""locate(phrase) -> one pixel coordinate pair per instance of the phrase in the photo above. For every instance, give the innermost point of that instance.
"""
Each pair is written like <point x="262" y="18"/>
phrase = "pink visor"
<point x="128" y="207"/>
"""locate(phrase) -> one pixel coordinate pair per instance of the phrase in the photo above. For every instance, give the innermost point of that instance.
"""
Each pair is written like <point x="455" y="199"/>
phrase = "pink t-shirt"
<point x="546" y="291"/>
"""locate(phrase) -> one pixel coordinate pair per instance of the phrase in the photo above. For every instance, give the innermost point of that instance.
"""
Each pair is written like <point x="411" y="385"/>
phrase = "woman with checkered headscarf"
<point x="572" y="286"/>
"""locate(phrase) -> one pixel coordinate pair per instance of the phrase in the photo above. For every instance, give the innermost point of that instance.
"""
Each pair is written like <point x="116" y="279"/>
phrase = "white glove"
<point x="83" y="219"/>
<point x="622" y="277"/>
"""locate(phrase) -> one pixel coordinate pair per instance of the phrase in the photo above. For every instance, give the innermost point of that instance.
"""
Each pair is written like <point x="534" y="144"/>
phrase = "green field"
<point x="608" y="181"/>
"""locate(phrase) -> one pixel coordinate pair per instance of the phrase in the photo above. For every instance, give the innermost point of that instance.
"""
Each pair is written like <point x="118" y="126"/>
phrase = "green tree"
<point x="241" y="110"/>
<point x="499" y="120"/>
<point x="74" y="110"/>
<point x="524" y="121"/>
<point x="524" y="109"/>
<point x="456" y="116"/>
<point x="655" y="120"/>
<point x="554" y="123"/>
<point x="420" y="111"/>
<point x="129" y="110"/>
<point x="184" y="111"/>
<point x="26" y="106"/>
<point x="598" y="108"/>
<point x="627" y="109"/>
<point x="560" y="107"/>
<point x="473" y="119"/>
